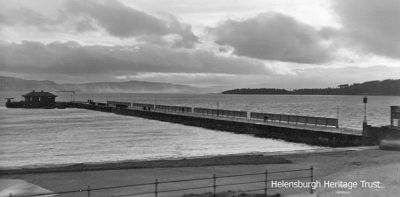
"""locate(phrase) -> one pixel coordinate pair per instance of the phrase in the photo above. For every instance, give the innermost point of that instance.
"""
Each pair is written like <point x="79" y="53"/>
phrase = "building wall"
<point x="40" y="100"/>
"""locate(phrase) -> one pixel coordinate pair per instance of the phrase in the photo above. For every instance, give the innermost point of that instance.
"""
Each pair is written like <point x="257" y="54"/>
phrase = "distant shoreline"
<point x="379" y="88"/>
<point x="310" y="94"/>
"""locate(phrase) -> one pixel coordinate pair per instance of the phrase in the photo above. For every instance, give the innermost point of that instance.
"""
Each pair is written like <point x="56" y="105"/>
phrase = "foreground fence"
<point x="260" y="183"/>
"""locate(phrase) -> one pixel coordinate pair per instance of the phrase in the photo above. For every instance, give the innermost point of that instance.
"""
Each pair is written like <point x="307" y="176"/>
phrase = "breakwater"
<point x="311" y="130"/>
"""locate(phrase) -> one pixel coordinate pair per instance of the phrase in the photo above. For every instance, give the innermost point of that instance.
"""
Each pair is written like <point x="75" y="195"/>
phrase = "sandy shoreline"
<point x="231" y="159"/>
<point x="343" y="164"/>
<point x="162" y="163"/>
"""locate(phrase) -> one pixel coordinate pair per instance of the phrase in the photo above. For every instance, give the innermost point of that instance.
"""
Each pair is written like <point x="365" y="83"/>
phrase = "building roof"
<point x="39" y="94"/>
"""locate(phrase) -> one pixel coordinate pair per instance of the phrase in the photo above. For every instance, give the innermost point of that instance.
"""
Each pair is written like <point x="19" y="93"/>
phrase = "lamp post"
<point x="365" y="101"/>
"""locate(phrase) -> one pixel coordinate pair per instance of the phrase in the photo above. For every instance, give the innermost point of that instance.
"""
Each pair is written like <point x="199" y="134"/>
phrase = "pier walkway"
<point x="286" y="124"/>
<point x="304" y="129"/>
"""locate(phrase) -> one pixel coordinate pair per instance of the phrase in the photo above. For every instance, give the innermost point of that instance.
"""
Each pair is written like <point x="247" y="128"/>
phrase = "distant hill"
<point x="16" y="84"/>
<point x="385" y="87"/>
<point x="12" y="83"/>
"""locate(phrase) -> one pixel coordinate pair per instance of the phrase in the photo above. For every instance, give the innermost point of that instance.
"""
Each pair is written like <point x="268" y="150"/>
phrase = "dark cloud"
<point x="27" y="17"/>
<point x="374" y="24"/>
<point x="122" y="21"/>
<point x="73" y="59"/>
<point x="61" y="21"/>
<point x="72" y="62"/>
<point x="117" y="19"/>
<point x="273" y="37"/>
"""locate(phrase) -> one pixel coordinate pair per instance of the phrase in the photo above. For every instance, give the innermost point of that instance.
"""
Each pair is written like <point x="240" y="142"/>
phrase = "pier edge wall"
<point x="260" y="130"/>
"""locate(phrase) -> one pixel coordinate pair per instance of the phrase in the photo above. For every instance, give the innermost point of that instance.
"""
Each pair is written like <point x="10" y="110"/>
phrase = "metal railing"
<point x="266" y="117"/>
<point x="290" y="121"/>
<point x="216" y="184"/>
<point x="307" y="120"/>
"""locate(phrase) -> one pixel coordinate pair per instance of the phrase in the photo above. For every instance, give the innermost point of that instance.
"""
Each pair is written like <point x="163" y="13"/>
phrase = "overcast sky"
<point x="231" y="43"/>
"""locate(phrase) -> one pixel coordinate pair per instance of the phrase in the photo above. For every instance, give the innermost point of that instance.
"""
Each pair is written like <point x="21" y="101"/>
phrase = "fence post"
<point x="88" y="191"/>
<point x="266" y="183"/>
<point x="156" y="188"/>
<point x="312" y="178"/>
<point x="214" y="185"/>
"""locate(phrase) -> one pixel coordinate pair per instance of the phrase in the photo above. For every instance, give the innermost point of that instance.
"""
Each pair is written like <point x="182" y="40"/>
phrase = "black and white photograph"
<point x="199" y="98"/>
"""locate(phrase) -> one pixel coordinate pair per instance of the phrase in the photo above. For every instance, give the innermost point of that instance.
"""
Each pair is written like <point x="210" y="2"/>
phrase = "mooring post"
<point x="337" y="116"/>
<point x="214" y="185"/>
<point x="156" y="188"/>
<point x="266" y="183"/>
<point x="312" y="178"/>
<point x="88" y="191"/>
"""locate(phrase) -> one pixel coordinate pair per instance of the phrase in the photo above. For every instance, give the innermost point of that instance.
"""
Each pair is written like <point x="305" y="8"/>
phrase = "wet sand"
<point x="239" y="159"/>
<point x="344" y="164"/>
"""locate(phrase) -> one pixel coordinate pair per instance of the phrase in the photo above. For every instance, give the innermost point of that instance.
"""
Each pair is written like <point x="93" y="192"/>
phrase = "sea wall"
<point x="373" y="135"/>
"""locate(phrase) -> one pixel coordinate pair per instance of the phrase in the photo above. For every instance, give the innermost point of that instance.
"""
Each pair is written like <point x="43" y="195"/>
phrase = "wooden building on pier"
<point x="39" y="99"/>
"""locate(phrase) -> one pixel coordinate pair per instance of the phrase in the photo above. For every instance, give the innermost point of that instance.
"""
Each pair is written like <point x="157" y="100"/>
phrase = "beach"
<point x="341" y="164"/>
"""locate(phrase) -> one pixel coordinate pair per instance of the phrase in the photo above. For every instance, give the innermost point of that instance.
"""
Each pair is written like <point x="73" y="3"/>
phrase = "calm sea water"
<point x="44" y="137"/>
<point x="30" y="137"/>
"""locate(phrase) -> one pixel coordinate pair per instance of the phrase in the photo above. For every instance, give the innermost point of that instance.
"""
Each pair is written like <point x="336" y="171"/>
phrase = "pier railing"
<point x="261" y="183"/>
<point x="308" y="120"/>
<point x="220" y="112"/>
<point x="257" y="116"/>
<point x="168" y="108"/>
